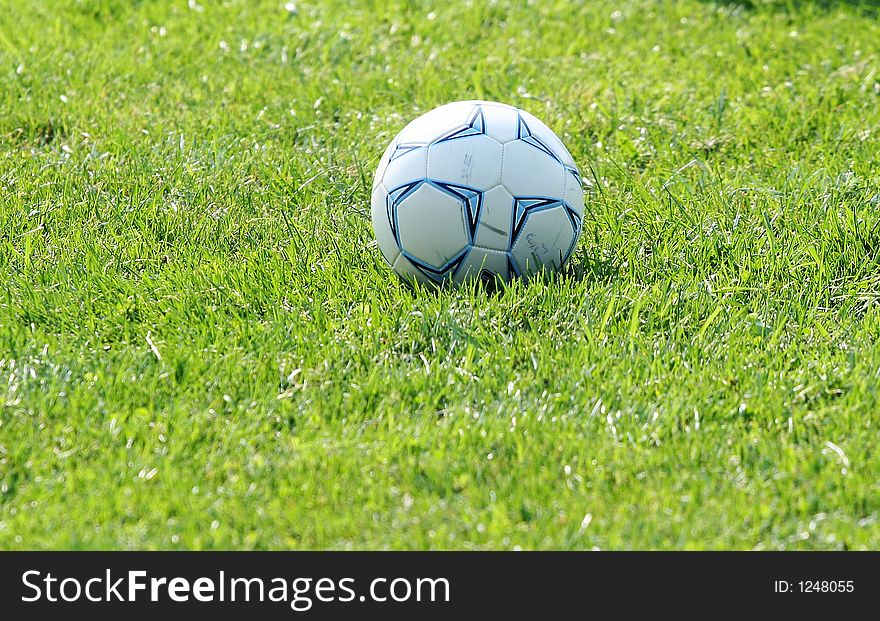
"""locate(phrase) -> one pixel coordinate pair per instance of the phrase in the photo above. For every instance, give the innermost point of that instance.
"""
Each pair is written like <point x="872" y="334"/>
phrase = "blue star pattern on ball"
<point x="475" y="126"/>
<point x="468" y="202"/>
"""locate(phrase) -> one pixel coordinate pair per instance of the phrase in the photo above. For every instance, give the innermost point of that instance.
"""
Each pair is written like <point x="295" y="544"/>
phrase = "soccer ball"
<point x="476" y="189"/>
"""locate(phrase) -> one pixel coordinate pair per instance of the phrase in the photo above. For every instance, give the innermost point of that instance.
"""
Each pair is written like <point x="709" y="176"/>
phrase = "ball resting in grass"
<point x="476" y="190"/>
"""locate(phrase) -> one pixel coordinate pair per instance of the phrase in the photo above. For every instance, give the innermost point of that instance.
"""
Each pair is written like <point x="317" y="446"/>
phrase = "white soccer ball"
<point x="476" y="189"/>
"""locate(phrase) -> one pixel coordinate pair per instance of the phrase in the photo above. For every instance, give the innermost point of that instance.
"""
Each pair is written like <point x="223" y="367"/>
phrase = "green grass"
<point x="200" y="346"/>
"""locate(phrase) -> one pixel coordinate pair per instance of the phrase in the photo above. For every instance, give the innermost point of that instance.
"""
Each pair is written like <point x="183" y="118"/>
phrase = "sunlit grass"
<point x="200" y="346"/>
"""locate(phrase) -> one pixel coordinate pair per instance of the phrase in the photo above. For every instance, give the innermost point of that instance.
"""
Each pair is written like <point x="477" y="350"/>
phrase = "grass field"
<point x="200" y="346"/>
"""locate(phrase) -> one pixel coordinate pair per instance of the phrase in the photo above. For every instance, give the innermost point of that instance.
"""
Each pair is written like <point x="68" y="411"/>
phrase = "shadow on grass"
<point x="592" y="269"/>
<point x="31" y="132"/>
<point x="584" y="267"/>
<point x="868" y="7"/>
